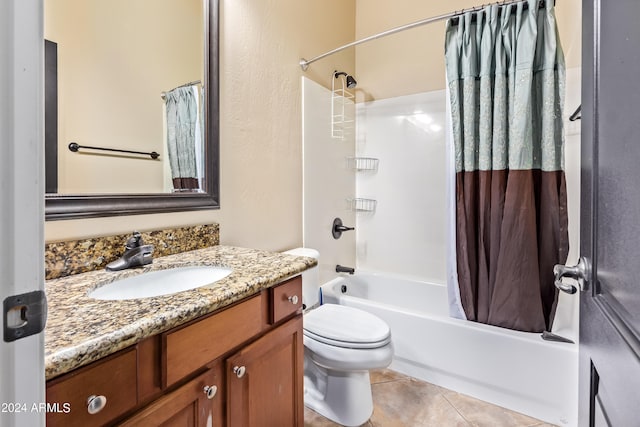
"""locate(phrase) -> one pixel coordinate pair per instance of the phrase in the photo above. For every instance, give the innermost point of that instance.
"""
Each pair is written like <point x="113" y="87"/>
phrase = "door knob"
<point x="580" y="272"/>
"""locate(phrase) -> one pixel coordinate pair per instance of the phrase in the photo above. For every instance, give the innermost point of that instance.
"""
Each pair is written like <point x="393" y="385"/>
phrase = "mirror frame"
<point x="101" y="205"/>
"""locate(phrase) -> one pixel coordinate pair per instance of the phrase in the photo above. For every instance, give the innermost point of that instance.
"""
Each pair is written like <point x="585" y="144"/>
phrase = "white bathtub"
<point x="516" y="370"/>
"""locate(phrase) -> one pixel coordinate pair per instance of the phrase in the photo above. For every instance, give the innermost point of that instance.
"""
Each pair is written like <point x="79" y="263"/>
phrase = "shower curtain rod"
<point x="304" y="64"/>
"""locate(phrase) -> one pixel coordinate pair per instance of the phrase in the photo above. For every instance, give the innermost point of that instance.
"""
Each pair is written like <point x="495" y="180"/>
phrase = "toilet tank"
<point x="310" y="277"/>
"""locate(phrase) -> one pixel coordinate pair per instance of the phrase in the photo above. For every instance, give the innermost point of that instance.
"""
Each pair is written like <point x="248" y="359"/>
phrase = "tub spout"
<point x="343" y="269"/>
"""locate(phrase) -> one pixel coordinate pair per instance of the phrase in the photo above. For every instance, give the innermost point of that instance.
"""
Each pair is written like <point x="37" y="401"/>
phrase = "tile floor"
<point x="401" y="401"/>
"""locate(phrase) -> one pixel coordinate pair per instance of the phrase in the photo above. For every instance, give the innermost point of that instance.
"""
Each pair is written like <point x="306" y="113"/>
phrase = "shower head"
<point x="351" y="82"/>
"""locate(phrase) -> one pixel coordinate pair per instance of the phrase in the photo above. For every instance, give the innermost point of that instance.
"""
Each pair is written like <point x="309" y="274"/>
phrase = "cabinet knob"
<point x="210" y="391"/>
<point x="293" y="299"/>
<point x="239" y="371"/>
<point x="96" y="404"/>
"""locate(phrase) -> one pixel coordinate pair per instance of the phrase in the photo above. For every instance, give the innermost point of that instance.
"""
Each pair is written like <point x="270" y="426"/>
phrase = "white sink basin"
<point x="161" y="282"/>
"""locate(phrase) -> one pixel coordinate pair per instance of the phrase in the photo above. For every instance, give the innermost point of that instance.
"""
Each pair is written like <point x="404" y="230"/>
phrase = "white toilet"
<point x="341" y="345"/>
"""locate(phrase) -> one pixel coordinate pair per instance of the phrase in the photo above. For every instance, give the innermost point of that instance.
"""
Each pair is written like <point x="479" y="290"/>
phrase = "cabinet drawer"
<point x="114" y="378"/>
<point x="190" y="348"/>
<point x="286" y="299"/>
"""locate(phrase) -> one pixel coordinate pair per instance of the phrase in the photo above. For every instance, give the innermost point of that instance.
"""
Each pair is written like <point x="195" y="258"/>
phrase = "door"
<point x="21" y="213"/>
<point x="198" y="403"/>
<point x="264" y="380"/>
<point x="610" y="222"/>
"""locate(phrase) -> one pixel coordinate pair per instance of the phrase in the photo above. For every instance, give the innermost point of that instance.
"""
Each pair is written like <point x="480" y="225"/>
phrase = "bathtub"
<point x="516" y="370"/>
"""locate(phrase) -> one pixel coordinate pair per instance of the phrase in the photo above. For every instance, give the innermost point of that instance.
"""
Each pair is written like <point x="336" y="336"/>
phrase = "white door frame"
<point x="22" y="383"/>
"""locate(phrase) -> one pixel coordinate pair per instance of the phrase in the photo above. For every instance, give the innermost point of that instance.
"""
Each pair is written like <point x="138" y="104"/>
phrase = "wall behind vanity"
<point x="260" y="121"/>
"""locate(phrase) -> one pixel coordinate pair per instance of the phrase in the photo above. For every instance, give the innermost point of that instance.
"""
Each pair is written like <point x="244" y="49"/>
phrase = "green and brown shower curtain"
<point x="505" y="75"/>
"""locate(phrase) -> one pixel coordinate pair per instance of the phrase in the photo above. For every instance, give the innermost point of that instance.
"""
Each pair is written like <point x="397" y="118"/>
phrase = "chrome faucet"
<point x="136" y="254"/>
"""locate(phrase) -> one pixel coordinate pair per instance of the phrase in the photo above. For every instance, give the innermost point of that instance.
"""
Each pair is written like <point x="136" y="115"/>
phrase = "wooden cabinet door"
<point x="187" y="406"/>
<point x="265" y="380"/>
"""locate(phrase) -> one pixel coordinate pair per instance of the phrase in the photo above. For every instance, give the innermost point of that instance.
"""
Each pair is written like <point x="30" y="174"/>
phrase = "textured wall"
<point x="261" y="157"/>
<point x="261" y="136"/>
<point x="413" y="61"/>
<point x="114" y="60"/>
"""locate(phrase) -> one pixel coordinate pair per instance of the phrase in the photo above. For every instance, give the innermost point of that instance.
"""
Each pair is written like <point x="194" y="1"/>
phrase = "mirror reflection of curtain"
<point x="183" y="135"/>
<point x="199" y="135"/>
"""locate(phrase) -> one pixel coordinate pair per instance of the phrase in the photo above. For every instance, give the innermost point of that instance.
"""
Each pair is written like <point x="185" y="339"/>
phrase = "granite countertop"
<point x="81" y="329"/>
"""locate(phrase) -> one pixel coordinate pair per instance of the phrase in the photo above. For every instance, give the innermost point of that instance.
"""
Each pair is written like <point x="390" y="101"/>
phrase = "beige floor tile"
<point x="483" y="414"/>
<point x="412" y="403"/>
<point x="313" y="419"/>
<point x="385" y="375"/>
<point x="402" y="401"/>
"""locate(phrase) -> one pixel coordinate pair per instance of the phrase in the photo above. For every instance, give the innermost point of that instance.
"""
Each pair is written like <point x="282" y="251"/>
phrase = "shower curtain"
<point x="505" y="76"/>
<point x="183" y="133"/>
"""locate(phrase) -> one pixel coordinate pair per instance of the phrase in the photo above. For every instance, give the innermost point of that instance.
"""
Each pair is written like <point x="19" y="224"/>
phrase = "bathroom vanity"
<point x="229" y="354"/>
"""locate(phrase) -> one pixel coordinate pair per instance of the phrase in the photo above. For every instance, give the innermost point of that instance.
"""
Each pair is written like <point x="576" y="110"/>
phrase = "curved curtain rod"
<point x="304" y="64"/>
<point x="163" y="95"/>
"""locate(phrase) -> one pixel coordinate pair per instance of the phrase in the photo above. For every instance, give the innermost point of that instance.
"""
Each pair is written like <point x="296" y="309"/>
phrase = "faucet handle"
<point x="338" y="228"/>
<point x="134" y="241"/>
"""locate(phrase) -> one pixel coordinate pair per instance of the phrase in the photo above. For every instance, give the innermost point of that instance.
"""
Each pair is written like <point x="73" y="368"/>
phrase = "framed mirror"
<point x="131" y="107"/>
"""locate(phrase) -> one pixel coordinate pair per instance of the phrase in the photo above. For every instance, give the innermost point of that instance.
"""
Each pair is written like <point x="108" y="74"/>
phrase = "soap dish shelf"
<point x="363" y="163"/>
<point x="362" y="205"/>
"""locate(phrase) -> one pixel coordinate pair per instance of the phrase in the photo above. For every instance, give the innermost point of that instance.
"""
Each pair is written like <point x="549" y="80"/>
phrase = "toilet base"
<point x="341" y="396"/>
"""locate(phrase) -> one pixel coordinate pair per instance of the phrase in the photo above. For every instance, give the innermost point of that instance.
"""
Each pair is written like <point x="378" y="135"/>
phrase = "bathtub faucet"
<point x="338" y="228"/>
<point x="343" y="269"/>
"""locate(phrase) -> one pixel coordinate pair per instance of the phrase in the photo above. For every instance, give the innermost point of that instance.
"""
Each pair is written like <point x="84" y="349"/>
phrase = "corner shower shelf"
<point x="363" y="163"/>
<point x="342" y="113"/>
<point x="362" y="205"/>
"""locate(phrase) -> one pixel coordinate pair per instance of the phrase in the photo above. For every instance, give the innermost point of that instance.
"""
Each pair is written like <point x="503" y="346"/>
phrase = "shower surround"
<point x="407" y="233"/>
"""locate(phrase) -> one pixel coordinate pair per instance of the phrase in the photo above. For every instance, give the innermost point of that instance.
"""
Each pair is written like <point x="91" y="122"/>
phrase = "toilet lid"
<point x="346" y="327"/>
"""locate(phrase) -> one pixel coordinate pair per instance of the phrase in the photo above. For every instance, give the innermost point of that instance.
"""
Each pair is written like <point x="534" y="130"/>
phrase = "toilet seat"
<point x="346" y="327"/>
<point x="347" y="344"/>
